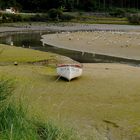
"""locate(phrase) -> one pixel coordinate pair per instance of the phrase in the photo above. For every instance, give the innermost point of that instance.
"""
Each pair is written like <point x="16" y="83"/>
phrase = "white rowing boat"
<point x="69" y="71"/>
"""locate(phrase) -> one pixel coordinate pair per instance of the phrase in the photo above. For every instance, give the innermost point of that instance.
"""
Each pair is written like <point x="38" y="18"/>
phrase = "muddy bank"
<point x="105" y="46"/>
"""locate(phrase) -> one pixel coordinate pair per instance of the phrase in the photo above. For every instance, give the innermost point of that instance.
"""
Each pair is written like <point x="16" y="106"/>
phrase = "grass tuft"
<point x="15" y="125"/>
<point x="50" y="131"/>
<point x="6" y="89"/>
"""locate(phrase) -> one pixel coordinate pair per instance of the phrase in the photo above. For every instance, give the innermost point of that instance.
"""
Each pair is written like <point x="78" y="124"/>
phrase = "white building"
<point x="10" y="10"/>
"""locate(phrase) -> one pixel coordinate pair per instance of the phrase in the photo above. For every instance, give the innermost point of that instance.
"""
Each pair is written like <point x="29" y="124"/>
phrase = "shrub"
<point x="55" y="14"/>
<point x="132" y="10"/>
<point x="66" y="17"/>
<point x="27" y="18"/>
<point x="17" y="18"/>
<point x="134" y="18"/>
<point x="38" y="17"/>
<point x="11" y="17"/>
<point x="117" y="12"/>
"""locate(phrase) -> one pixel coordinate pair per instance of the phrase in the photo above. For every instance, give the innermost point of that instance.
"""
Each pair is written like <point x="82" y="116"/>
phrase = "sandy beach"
<point x="112" y="43"/>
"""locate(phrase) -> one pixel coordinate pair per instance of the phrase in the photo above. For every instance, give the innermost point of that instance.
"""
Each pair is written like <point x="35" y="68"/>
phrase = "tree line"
<point x="69" y="5"/>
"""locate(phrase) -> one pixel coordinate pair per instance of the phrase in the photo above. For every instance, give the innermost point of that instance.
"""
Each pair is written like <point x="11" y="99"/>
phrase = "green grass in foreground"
<point x="15" y="125"/>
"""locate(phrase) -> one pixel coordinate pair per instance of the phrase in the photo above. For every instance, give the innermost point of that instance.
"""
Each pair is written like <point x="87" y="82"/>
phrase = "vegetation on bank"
<point x="15" y="124"/>
<point x="134" y="18"/>
<point x="51" y="15"/>
<point x="117" y="16"/>
<point x="55" y="10"/>
<point x="10" y="54"/>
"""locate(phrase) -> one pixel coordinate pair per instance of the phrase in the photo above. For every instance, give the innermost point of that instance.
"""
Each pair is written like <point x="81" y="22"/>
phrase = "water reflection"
<point x="9" y="41"/>
<point x="32" y="40"/>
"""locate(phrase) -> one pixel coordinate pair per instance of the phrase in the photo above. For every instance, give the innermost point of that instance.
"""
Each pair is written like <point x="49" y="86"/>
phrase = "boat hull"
<point x="69" y="71"/>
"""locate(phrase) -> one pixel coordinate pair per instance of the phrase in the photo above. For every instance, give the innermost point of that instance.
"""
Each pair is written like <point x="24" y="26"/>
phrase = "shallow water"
<point x="32" y="40"/>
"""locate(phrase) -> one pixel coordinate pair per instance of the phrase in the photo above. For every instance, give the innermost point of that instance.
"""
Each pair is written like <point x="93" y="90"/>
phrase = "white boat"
<point x="69" y="71"/>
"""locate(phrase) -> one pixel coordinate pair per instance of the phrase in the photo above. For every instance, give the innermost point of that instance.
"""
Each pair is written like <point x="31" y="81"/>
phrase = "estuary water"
<point x="32" y="39"/>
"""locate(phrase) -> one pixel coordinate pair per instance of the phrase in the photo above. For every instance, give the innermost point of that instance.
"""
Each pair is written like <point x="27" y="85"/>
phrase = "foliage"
<point x="66" y="17"/>
<point x="118" y="12"/>
<point x="15" y="125"/>
<point x="134" y="18"/>
<point x="50" y="131"/>
<point x="58" y="15"/>
<point x="10" y="17"/>
<point x="39" y="17"/>
<point x="54" y="14"/>
<point x="6" y="88"/>
<point x="69" y="5"/>
<point x="132" y="10"/>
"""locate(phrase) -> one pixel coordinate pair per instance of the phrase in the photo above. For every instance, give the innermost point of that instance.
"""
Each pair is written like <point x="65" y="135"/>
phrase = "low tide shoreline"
<point x="99" y="56"/>
<point x="104" y="46"/>
<point x="105" y="95"/>
<point x="66" y="27"/>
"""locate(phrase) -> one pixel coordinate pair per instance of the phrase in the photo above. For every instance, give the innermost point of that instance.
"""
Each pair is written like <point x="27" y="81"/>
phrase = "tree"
<point x="45" y="5"/>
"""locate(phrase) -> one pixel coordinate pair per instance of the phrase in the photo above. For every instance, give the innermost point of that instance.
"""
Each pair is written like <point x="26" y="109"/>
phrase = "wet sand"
<point x="119" y="44"/>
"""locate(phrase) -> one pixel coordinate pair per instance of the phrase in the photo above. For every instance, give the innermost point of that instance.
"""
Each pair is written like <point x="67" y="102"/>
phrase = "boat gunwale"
<point x="71" y="65"/>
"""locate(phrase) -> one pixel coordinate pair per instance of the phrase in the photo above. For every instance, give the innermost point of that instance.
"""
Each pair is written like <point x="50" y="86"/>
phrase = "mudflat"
<point x="119" y="44"/>
<point x="104" y="102"/>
